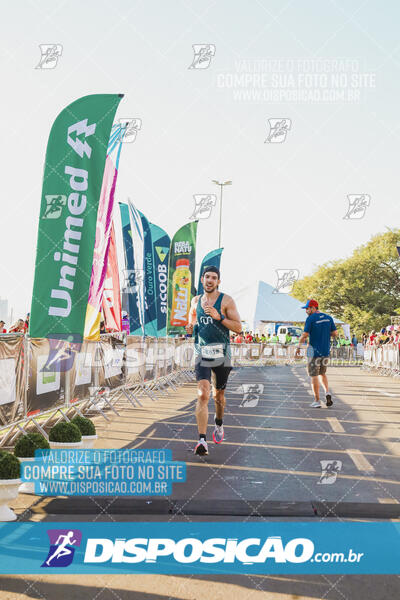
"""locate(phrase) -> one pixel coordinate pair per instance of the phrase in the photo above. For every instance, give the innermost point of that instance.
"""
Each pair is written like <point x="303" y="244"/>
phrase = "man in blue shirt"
<point x="318" y="330"/>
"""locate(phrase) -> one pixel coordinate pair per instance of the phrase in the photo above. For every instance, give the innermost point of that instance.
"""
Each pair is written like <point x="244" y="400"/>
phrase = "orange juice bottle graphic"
<point x="181" y="286"/>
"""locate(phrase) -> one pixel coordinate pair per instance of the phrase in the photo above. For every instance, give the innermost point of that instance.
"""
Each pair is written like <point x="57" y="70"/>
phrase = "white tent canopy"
<point x="259" y="304"/>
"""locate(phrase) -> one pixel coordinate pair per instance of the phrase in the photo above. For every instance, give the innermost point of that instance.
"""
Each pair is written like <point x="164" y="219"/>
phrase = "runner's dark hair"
<point x="211" y="269"/>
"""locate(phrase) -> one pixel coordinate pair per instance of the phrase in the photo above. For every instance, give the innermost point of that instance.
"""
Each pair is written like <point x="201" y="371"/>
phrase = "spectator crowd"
<point x="20" y="326"/>
<point x="249" y="337"/>
<point x="387" y="335"/>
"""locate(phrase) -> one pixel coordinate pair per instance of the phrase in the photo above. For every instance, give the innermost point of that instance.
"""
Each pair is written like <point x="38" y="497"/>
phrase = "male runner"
<point x="211" y="316"/>
<point x="318" y="328"/>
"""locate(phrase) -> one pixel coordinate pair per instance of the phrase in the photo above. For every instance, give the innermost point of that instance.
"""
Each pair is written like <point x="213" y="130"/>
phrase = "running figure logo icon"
<point x="278" y="129"/>
<point x="329" y="471"/>
<point x="63" y="348"/>
<point x="203" y="53"/>
<point x="203" y="205"/>
<point x="54" y="206"/>
<point x="129" y="129"/>
<point x="133" y="280"/>
<point x="50" y="53"/>
<point x="251" y="394"/>
<point x="286" y="280"/>
<point x="358" y="204"/>
<point x="61" y="551"/>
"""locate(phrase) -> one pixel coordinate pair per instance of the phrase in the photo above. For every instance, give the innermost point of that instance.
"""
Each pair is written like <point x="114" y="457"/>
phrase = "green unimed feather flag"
<point x="73" y="174"/>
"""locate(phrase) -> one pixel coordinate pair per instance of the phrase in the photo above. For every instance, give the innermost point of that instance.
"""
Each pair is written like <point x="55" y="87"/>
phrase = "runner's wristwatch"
<point x="221" y="317"/>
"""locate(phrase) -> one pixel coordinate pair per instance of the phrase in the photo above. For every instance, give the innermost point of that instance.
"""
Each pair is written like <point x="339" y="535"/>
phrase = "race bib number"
<point x="212" y="351"/>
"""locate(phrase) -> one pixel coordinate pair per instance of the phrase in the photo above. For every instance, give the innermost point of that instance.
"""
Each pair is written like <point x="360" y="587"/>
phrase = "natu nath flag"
<point x="181" y="287"/>
<point x="73" y="175"/>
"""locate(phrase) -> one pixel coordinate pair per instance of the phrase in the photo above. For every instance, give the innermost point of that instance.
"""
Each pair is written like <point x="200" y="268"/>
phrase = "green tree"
<point x="364" y="289"/>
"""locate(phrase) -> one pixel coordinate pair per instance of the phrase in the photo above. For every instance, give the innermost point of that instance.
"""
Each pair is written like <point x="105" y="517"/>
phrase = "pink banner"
<point x="111" y="296"/>
<point x="100" y="256"/>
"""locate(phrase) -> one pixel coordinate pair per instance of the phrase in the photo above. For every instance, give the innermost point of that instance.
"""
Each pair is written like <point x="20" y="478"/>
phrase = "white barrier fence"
<point x="274" y="354"/>
<point x="40" y="376"/>
<point x="43" y="378"/>
<point x="265" y="354"/>
<point x="385" y="358"/>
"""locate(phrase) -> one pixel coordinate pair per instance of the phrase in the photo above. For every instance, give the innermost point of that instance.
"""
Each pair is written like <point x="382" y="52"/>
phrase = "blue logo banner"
<point x="150" y="297"/>
<point x="161" y="246"/>
<point x="200" y="548"/>
<point x="130" y="296"/>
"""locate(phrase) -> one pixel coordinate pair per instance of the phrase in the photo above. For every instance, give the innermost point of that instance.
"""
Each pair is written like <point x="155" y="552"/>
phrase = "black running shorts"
<point x="317" y="365"/>
<point x="220" y="373"/>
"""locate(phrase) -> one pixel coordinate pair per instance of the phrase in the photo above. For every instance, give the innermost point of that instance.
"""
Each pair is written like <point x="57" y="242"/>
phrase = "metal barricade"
<point x="165" y="354"/>
<point x="13" y="377"/>
<point x="43" y="380"/>
<point x="46" y="380"/>
<point x="235" y="354"/>
<point x="384" y="359"/>
<point x="344" y="353"/>
<point x="95" y="376"/>
<point x="135" y="360"/>
<point x="184" y="358"/>
<point x="262" y="355"/>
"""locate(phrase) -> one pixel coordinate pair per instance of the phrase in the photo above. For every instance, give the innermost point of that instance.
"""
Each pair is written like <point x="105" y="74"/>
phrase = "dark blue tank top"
<point x="211" y="336"/>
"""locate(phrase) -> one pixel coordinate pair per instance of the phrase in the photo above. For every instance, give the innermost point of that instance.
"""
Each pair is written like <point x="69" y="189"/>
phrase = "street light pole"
<point x="220" y="217"/>
<point x="221" y="185"/>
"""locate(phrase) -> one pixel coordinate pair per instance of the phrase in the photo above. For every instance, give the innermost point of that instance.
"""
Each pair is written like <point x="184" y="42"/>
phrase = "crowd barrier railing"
<point x="263" y="354"/>
<point x="46" y="378"/>
<point x="266" y="354"/>
<point x="385" y="359"/>
<point x="13" y="377"/>
<point x="43" y="380"/>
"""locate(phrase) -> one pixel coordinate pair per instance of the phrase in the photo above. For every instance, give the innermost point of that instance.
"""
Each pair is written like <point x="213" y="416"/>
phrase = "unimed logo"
<point x="75" y="218"/>
<point x="189" y="550"/>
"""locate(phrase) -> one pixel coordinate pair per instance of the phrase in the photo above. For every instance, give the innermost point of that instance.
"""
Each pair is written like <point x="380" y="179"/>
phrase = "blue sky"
<point x="286" y="205"/>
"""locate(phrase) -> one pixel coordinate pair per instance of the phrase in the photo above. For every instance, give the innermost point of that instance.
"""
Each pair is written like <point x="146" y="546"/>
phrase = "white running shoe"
<point x="201" y="448"/>
<point x="218" y="433"/>
<point x="316" y="405"/>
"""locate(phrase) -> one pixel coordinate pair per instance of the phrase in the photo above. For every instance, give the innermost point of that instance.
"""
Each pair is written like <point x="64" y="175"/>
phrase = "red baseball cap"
<point x="310" y="303"/>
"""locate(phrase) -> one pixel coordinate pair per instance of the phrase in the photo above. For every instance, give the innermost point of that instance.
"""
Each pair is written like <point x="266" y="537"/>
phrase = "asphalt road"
<point x="268" y="467"/>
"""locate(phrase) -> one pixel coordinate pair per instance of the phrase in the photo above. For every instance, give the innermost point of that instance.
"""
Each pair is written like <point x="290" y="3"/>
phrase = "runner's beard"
<point x="210" y="288"/>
